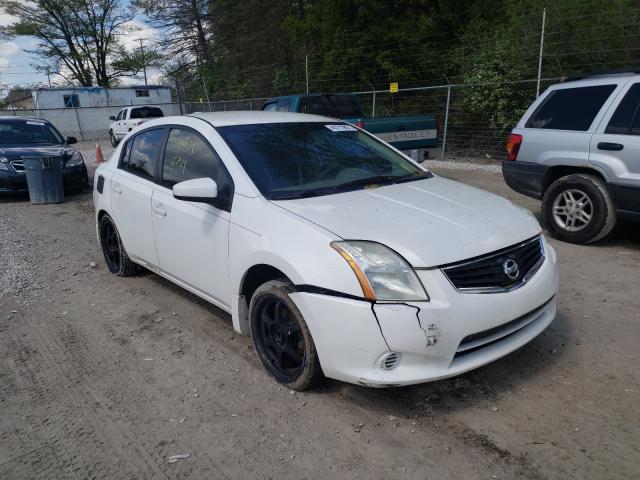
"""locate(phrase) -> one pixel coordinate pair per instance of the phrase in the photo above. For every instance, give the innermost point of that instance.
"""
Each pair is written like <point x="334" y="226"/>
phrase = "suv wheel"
<point x="578" y="209"/>
<point x="281" y="337"/>
<point x="115" y="255"/>
<point x="112" y="137"/>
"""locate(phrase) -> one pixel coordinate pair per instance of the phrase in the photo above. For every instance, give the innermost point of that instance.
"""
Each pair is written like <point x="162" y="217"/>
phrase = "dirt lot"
<point x="104" y="377"/>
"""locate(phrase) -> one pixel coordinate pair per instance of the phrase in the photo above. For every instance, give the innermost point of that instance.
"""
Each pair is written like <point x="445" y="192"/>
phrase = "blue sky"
<point x="17" y="68"/>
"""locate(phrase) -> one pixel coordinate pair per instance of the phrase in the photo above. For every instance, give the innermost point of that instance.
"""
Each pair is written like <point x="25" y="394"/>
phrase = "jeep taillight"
<point x="513" y="146"/>
<point x="360" y="124"/>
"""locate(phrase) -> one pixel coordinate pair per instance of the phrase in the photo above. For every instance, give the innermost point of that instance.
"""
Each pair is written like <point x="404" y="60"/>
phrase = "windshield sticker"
<point x="40" y="124"/>
<point x="341" y="128"/>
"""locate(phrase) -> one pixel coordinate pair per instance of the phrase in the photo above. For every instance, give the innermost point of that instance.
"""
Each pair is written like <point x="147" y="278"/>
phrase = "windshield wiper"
<point x="381" y="180"/>
<point x="303" y="194"/>
<point x="374" y="181"/>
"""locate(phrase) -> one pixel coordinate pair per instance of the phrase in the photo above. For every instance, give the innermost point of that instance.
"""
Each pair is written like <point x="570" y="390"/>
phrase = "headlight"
<point x="382" y="273"/>
<point x="4" y="163"/>
<point x="76" y="160"/>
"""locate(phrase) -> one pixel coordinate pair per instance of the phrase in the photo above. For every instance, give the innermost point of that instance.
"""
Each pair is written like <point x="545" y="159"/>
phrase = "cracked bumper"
<point x="431" y="337"/>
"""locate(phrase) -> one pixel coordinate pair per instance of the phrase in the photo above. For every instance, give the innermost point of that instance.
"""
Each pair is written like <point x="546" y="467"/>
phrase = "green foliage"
<point x="76" y="39"/>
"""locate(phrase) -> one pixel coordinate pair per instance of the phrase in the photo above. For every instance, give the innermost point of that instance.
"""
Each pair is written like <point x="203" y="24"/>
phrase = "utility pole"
<point x="544" y="18"/>
<point x="49" y="76"/>
<point x="446" y="117"/>
<point x="144" y="65"/>
<point x="306" y="70"/>
<point x="204" y="87"/>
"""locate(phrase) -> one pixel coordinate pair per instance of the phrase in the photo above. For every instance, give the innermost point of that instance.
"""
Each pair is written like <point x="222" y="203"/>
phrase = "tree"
<point x="77" y="39"/>
<point x="185" y="24"/>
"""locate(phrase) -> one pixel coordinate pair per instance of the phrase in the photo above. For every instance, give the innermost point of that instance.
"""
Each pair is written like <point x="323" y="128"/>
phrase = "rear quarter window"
<point x="570" y="108"/>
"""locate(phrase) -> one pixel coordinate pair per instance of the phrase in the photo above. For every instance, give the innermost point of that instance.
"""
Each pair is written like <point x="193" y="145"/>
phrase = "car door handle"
<point x="610" y="146"/>
<point x="116" y="188"/>
<point x="160" y="210"/>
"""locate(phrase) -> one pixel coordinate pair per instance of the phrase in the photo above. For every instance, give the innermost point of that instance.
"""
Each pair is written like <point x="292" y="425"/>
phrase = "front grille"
<point x="17" y="165"/>
<point x="477" y="341"/>
<point x="501" y="271"/>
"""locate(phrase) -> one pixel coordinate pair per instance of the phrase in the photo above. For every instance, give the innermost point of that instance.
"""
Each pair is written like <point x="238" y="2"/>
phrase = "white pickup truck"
<point x="129" y="118"/>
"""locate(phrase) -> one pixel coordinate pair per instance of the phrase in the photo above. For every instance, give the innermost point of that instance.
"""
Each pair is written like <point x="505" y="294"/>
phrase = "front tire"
<point x="112" y="137"/>
<point x="282" y="338"/>
<point x="578" y="209"/>
<point x="114" y="253"/>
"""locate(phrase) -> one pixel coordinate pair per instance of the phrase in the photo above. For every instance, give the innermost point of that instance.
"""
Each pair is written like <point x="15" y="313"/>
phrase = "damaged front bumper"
<point x="451" y="334"/>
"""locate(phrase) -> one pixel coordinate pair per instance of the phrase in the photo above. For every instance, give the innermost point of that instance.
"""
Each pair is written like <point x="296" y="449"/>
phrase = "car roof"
<point x="33" y="119"/>
<point x="601" y="79"/>
<point x="223" y="119"/>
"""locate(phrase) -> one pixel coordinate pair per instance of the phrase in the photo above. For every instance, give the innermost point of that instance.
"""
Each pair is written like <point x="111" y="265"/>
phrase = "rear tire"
<point x="282" y="338"/>
<point x="578" y="209"/>
<point x="114" y="253"/>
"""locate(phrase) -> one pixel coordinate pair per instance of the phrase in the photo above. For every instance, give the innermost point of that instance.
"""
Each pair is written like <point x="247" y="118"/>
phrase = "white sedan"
<point x="337" y="254"/>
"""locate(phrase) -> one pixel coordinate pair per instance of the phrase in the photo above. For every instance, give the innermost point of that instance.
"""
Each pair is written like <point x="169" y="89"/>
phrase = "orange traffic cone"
<point x="99" y="157"/>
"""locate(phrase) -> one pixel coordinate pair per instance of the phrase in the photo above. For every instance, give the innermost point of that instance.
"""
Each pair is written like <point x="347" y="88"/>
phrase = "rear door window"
<point x="625" y="119"/>
<point x="570" y="108"/>
<point x="142" y="152"/>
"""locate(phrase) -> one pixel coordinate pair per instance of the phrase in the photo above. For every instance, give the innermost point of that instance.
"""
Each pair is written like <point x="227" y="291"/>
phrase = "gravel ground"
<point x="19" y="257"/>
<point x="88" y="150"/>
<point x="475" y="166"/>
<point x="108" y="377"/>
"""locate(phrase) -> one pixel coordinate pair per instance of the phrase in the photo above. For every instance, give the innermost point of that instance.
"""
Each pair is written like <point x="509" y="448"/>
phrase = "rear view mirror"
<point x="203" y="190"/>
<point x="112" y="118"/>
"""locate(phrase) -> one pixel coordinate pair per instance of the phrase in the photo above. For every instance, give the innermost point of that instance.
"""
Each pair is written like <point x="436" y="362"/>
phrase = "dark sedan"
<point x="21" y="138"/>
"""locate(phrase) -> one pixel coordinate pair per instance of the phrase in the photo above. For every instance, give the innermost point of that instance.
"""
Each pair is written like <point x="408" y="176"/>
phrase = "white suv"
<point x="578" y="149"/>
<point x="337" y="253"/>
<point x="129" y="118"/>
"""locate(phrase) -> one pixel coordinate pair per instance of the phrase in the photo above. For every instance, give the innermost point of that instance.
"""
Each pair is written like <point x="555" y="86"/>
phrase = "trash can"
<point x="44" y="179"/>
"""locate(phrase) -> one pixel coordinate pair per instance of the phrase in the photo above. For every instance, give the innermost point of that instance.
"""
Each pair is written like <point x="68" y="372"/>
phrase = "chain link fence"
<point x="84" y="123"/>
<point x="474" y="120"/>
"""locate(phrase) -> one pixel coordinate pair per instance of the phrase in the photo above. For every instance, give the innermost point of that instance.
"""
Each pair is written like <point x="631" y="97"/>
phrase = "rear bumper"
<point x="451" y="334"/>
<point x="525" y="177"/>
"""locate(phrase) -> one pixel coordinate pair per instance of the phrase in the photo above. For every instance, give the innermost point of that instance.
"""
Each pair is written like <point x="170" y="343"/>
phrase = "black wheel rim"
<point x="279" y="339"/>
<point x="110" y="246"/>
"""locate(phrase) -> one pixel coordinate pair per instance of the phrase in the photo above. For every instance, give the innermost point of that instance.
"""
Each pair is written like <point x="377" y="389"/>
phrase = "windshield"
<point x="294" y="160"/>
<point x="22" y="131"/>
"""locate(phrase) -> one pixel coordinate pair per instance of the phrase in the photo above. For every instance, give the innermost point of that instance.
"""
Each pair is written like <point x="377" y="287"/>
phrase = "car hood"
<point x="430" y="222"/>
<point x="16" y="152"/>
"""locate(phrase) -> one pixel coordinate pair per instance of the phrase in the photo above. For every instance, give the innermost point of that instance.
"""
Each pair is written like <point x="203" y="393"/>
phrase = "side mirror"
<point x="71" y="140"/>
<point x="112" y="118"/>
<point x="202" y="190"/>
